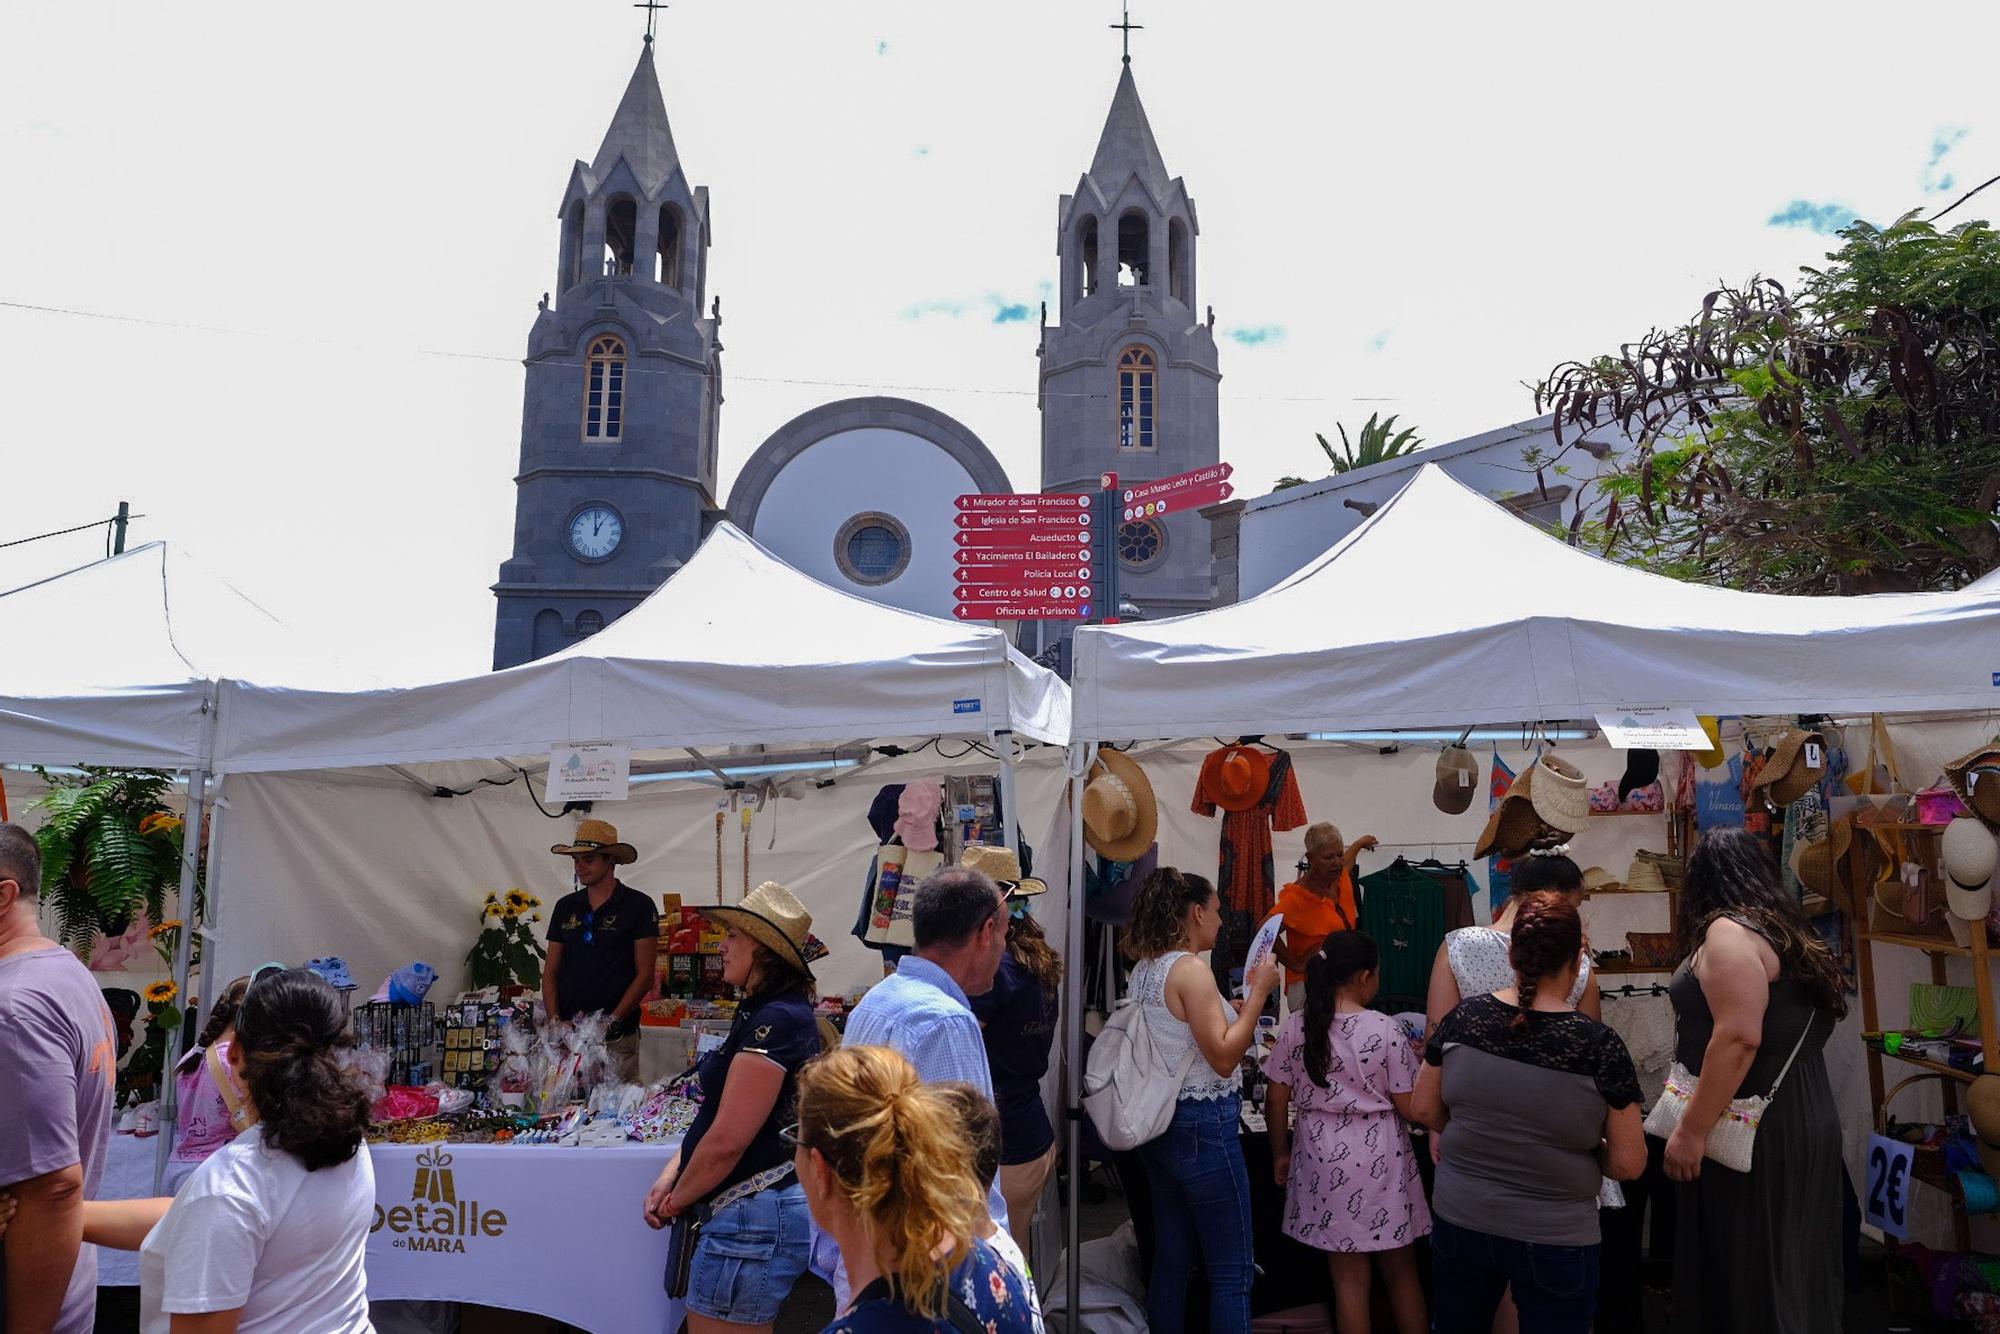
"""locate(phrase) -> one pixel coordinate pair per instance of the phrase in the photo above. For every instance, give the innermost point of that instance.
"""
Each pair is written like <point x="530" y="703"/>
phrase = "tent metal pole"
<point x="1010" y="819"/>
<point x="1079" y="764"/>
<point x="183" y="960"/>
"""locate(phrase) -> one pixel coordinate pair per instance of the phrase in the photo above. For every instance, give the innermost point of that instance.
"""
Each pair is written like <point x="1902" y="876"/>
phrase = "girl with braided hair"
<point x="1535" y="1102"/>
<point x="1350" y="1176"/>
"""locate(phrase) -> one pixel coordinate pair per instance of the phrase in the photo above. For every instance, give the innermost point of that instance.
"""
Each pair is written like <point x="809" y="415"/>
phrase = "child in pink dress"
<point x="1350" y="1176"/>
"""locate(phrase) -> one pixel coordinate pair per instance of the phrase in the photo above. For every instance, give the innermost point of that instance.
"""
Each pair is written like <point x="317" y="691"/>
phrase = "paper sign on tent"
<point x="1653" y="728"/>
<point x="590" y="771"/>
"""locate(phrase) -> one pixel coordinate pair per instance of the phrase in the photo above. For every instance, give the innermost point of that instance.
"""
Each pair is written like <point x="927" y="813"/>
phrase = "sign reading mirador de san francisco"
<point x="1025" y="557"/>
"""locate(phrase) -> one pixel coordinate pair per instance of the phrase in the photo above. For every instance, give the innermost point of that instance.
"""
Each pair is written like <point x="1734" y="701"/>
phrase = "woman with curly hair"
<point x="889" y="1172"/>
<point x="1201" y="1193"/>
<point x="1535" y="1103"/>
<point x="1017" y="1020"/>
<point x="268" y="1233"/>
<point x="1754" y="1003"/>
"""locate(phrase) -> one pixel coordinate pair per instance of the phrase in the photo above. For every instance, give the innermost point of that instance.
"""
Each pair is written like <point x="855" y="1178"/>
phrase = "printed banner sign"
<point x="589" y="771"/>
<point x="1653" y="729"/>
<point x="1885" y="1203"/>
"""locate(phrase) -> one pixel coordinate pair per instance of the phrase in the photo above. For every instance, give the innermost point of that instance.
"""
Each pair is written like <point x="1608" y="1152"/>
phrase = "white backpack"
<point x="1129" y="1090"/>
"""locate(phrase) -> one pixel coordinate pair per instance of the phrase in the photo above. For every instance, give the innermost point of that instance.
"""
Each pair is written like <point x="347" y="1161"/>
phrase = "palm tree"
<point x="1379" y="441"/>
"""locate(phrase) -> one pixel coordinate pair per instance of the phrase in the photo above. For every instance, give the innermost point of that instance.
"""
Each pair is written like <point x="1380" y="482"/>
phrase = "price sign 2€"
<point x="1886" y="1201"/>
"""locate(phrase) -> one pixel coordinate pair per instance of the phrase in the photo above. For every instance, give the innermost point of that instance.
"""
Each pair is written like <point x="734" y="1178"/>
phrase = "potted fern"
<point x="111" y="847"/>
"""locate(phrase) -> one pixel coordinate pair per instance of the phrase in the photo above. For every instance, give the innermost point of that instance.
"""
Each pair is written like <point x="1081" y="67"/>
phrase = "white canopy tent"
<point x="1444" y="608"/>
<point x="738" y="648"/>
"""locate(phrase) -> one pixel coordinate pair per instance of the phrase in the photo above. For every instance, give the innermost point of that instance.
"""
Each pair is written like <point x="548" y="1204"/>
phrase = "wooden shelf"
<point x="1928" y="944"/>
<point x="1950" y="1071"/>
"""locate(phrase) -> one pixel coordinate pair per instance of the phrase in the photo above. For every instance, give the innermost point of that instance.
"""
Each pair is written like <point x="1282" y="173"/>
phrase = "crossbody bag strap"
<point x="1797" y="1047"/>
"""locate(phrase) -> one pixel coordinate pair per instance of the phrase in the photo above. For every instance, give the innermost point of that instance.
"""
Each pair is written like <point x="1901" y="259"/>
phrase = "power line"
<point x="65" y="532"/>
<point x="631" y="369"/>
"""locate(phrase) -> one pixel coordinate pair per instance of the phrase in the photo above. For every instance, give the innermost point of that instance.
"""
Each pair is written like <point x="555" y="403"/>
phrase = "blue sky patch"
<point x="1947" y="138"/>
<point x="882" y="47"/>
<point x="1256" y="335"/>
<point x="1380" y="339"/>
<point x="1826" y="219"/>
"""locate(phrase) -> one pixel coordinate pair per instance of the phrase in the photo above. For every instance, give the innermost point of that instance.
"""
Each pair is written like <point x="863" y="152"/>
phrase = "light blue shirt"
<point x="921" y="1012"/>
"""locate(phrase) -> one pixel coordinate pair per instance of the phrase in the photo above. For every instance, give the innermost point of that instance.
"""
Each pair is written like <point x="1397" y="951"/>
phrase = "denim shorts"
<point x="749" y="1255"/>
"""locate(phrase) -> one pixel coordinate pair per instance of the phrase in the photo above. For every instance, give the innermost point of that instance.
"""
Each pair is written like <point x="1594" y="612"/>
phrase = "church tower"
<point x="624" y="391"/>
<point x="1129" y="375"/>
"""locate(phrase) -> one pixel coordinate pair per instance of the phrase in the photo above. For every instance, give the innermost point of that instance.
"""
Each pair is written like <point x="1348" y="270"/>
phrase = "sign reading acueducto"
<point x="1025" y="557"/>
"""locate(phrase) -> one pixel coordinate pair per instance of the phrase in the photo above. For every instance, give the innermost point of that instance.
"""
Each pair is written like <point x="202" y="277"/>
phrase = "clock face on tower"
<point x="595" y="532"/>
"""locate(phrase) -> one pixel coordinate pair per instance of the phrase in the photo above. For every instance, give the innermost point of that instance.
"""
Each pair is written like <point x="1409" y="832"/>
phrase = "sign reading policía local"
<point x="513" y="1225"/>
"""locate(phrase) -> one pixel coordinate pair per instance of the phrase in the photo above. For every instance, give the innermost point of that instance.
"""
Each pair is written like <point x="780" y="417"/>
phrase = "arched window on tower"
<point x="1177" y="262"/>
<point x="572" y="247"/>
<point x="1137" y="383"/>
<point x="547" y="635"/>
<point x="1134" y="252"/>
<point x="588" y="623"/>
<point x="604" y="390"/>
<point x="621" y="236"/>
<point x="1086" y="249"/>
<point x="667" y="270"/>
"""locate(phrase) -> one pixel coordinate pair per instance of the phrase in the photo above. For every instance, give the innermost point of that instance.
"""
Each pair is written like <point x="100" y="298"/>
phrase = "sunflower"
<point x="160" y="822"/>
<point x="165" y="928"/>
<point x="534" y="917"/>
<point x="491" y="898"/>
<point x="509" y="911"/>
<point x="161" y="992"/>
<point x="517" y="899"/>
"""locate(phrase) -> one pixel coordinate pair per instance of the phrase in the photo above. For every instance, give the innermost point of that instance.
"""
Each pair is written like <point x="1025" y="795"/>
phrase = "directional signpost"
<point x="1051" y="556"/>
<point x="1186" y="491"/>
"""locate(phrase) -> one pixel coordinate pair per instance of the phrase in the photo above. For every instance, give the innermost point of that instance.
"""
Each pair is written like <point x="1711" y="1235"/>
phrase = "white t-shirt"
<point x="253" y="1229"/>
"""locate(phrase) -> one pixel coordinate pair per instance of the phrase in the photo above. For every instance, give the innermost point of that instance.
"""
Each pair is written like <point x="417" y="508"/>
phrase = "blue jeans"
<point x="1555" y="1287"/>
<point x="1201" y="1211"/>
<point x="749" y="1255"/>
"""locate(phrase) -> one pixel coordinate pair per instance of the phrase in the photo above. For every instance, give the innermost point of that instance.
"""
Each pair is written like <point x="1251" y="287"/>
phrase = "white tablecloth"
<point x="535" y="1228"/>
<point x="530" y="1227"/>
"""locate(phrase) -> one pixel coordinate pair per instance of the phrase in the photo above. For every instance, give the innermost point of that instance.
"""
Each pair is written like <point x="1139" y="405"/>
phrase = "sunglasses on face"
<point x="789" y="1136"/>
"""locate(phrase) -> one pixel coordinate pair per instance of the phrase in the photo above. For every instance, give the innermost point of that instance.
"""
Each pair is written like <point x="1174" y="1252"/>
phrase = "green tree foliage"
<point x="110" y="847"/>
<point x="1843" y="438"/>
<point x="1380" y="441"/>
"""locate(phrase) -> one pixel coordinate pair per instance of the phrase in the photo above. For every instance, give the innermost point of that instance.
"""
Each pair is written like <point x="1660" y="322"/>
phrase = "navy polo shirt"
<point x="1018" y="1020"/>
<point x="780" y="1028"/>
<point x="596" y="972"/>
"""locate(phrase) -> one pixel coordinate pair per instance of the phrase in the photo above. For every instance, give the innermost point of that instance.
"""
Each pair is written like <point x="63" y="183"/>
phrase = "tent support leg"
<point x="197" y="809"/>
<point x="1010" y="820"/>
<point x="1073" y="1042"/>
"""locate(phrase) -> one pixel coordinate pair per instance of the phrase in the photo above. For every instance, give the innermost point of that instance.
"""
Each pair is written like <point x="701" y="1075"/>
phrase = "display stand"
<point x="1680" y="837"/>
<point x="1938" y="948"/>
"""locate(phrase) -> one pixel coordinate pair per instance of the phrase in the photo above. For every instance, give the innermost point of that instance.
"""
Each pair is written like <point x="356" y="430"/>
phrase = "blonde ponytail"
<point x="906" y="1166"/>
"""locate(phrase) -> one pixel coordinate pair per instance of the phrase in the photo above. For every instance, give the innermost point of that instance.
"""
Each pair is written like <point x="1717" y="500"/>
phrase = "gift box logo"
<point x="434" y="1182"/>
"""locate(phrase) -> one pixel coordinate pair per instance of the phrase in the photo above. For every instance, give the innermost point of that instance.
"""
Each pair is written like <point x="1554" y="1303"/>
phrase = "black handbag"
<point x="683" y="1234"/>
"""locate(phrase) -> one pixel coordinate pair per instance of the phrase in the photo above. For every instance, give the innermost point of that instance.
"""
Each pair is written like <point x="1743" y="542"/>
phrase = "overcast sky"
<point x="324" y="230"/>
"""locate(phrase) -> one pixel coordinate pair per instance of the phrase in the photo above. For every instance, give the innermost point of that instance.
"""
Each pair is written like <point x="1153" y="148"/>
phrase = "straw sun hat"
<point x="1003" y="867"/>
<point x="1787" y="773"/>
<point x="598" y="836"/>
<point x="772" y="916"/>
<point x="1121" y="817"/>
<point x="1548" y="801"/>
<point x="1976" y="779"/>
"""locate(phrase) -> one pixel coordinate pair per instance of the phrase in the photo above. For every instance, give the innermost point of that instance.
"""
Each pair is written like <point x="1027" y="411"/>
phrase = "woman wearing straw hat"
<point x="757" y="1239"/>
<point x="1017" y="1019"/>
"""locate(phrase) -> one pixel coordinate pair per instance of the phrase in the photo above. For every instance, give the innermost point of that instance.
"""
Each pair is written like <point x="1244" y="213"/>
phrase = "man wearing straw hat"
<point x="603" y="941"/>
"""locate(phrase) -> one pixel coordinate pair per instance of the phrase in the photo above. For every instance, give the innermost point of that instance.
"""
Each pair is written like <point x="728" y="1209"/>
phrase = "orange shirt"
<point x="1310" y="918"/>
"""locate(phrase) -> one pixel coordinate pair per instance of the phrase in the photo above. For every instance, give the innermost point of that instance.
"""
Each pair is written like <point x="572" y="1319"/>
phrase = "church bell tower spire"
<point x="624" y="389"/>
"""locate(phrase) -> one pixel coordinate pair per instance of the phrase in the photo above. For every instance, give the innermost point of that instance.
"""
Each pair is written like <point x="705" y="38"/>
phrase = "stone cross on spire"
<point x="652" y="8"/>
<point x="1126" y="28"/>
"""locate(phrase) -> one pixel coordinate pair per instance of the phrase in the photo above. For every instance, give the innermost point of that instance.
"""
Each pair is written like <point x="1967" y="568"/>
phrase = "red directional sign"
<point x="1008" y="590"/>
<point x="1027" y="539"/>
<point x="984" y="560"/>
<point x="1024" y="611"/>
<point x="1186" y="491"/>
<point x="1043" y="520"/>
<point x="1011" y="502"/>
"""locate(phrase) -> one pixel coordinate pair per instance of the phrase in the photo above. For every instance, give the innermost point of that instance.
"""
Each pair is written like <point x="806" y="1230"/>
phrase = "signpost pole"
<point x="1107" y="564"/>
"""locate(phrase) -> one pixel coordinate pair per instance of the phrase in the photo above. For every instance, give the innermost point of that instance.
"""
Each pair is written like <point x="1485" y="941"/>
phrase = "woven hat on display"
<point x="1513" y="826"/>
<point x="772" y="916"/>
<point x="598" y="836"/>
<point x="1003" y="867"/>
<point x="1789" y="773"/>
<point x="1457" y="780"/>
<point x="1812" y="863"/>
<point x="1597" y="880"/>
<point x="1976" y="779"/>
<point x="1857" y="864"/>
<point x="1643" y="877"/>
<point x="1970" y="857"/>
<point x="1984" y="1103"/>
<point x="1237" y="777"/>
<point x="1560" y="795"/>
<point x="1121" y="817"/>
